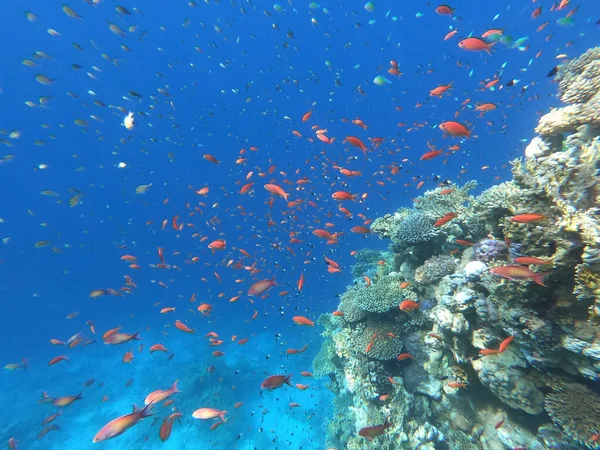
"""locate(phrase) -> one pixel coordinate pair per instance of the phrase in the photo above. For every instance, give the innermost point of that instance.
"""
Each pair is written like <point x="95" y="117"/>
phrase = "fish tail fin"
<point x="136" y="336"/>
<point x="489" y="46"/>
<point x="274" y="282"/>
<point x="288" y="380"/>
<point x="222" y="415"/>
<point x="388" y="423"/>
<point x="79" y="396"/>
<point x="146" y="411"/>
<point x="174" y="389"/>
<point x="539" y="278"/>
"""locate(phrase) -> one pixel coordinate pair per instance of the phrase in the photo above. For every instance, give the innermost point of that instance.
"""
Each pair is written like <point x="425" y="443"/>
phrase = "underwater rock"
<point x="449" y="322"/>
<point x="474" y="269"/>
<point x="503" y="375"/>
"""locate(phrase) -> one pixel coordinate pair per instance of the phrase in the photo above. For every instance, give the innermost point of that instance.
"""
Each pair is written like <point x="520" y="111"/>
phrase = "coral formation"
<point x="575" y="409"/>
<point x="416" y="228"/>
<point x="481" y="352"/>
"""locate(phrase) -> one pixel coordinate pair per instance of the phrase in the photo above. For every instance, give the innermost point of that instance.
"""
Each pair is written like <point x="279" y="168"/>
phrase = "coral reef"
<point x="483" y="361"/>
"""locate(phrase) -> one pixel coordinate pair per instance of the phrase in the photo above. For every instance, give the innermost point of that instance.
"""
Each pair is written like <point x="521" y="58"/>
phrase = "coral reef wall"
<point x="481" y="329"/>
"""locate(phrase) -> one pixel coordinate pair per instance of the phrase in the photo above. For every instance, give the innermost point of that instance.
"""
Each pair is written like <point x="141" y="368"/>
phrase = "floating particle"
<point x="370" y="7"/>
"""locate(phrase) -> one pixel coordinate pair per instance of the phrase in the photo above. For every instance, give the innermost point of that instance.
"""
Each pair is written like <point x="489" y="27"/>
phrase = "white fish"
<point x="129" y="121"/>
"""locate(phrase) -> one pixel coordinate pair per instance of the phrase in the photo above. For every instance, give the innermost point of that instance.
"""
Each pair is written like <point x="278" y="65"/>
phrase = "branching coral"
<point x="380" y="297"/>
<point x="416" y="228"/>
<point x="456" y="199"/>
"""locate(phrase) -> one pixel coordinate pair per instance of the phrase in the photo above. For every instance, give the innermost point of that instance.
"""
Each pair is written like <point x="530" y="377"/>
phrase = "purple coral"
<point x="490" y="249"/>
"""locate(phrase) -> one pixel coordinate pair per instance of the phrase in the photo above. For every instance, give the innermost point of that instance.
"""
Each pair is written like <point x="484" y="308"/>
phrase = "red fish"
<point x="408" y="305"/>
<point x="505" y="343"/>
<point x="430" y="155"/>
<point x="455" y="129"/>
<point x="440" y="90"/>
<point x="165" y="429"/>
<point x="445" y="10"/>
<point x="476" y="44"/>
<point x="445" y="219"/>
<point x="356" y="142"/>
<point x="261" y="286"/>
<point x="159" y="395"/>
<point x="527" y="218"/>
<point x="301" y="320"/>
<point x="276" y="381"/>
<point x="519" y="273"/>
<point x="121" y="424"/>
<point x="372" y="432"/>
<point x="531" y="260"/>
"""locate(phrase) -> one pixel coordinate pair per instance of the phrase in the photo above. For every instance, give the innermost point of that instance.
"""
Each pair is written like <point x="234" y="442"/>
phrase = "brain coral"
<point x="382" y="296"/>
<point x="575" y="409"/>
<point x="384" y="347"/>
<point x="435" y="268"/>
<point x="416" y="228"/>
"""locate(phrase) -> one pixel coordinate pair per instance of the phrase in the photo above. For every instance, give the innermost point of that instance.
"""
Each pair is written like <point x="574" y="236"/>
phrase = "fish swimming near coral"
<point x="519" y="273"/>
<point x="372" y="432"/>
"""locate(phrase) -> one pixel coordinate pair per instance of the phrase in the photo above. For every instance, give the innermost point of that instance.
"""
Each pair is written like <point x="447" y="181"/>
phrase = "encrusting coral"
<point x="503" y="313"/>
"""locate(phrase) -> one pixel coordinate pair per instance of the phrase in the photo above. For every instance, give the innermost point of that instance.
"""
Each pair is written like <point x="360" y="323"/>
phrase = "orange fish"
<point x="505" y="343"/>
<point x="440" y="90"/>
<point x="445" y="10"/>
<point x="531" y="260"/>
<point x="127" y="357"/>
<point x="455" y="129"/>
<point x="476" y="44"/>
<point x="372" y="432"/>
<point x="158" y="348"/>
<point x="58" y="359"/>
<point x="519" y="273"/>
<point x="167" y="310"/>
<point x="301" y="320"/>
<point x="160" y="395"/>
<point x="302" y="387"/>
<point x="274" y="189"/>
<point x="445" y="219"/>
<point x="218" y="244"/>
<point x="488" y="351"/>
<point x="276" y="381"/>
<point x="209" y="413"/>
<point x="457" y="385"/>
<point x="121" y="424"/>
<point x="261" y="286"/>
<point x="360" y="230"/>
<point x="306" y="116"/>
<point x="403" y="356"/>
<point x="342" y="195"/>
<point x="408" y="305"/>
<point x="527" y="218"/>
<point x="301" y="281"/>
<point x="183" y="327"/>
<point x="210" y="158"/>
<point x="356" y="142"/>
<point x="165" y="429"/>
<point x="66" y="401"/>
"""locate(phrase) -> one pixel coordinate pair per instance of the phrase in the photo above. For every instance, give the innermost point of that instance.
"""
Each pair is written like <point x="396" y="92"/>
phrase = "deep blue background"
<point x="39" y="287"/>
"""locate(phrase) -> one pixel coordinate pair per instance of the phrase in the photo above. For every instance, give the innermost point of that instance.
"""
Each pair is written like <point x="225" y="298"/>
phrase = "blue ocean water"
<point x="231" y="79"/>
